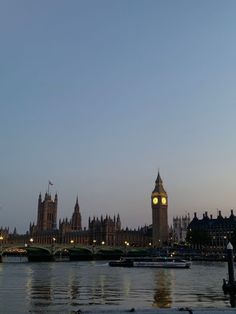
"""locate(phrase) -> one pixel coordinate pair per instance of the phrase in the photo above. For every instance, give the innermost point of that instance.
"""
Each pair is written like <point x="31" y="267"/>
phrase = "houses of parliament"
<point x="105" y="229"/>
<point x="101" y="230"/>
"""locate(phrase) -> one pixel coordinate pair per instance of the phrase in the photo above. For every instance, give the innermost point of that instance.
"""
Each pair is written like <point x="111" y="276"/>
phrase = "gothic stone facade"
<point x="101" y="231"/>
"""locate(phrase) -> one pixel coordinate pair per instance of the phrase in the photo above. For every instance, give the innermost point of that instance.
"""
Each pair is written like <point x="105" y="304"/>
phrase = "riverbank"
<point x="160" y="311"/>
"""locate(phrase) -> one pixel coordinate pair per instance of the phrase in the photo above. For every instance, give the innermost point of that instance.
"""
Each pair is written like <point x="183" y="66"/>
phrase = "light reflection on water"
<point x="162" y="291"/>
<point x="69" y="286"/>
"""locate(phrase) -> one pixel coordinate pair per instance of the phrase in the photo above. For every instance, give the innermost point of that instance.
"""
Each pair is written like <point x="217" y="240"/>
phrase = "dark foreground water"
<point x="66" y="287"/>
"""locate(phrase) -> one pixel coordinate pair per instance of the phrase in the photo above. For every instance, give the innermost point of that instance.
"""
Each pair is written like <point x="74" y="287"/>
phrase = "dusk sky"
<point x="96" y="96"/>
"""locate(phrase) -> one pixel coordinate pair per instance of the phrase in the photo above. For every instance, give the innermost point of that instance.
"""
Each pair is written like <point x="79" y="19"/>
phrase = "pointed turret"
<point x="39" y="200"/>
<point x="76" y="208"/>
<point x="76" y="217"/>
<point x="118" y="218"/>
<point x="56" y="198"/>
<point x="118" y="222"/>
<point x="47" y="197"/>
<point x="159" y="185"/>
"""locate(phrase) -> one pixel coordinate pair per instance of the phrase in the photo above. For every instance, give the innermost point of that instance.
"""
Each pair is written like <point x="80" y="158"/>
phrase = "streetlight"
<point x="53" y="244"/>
<point x="126" y="246"/>
<point x="72" y="242"/>
<point x="103" y="242"/>
<point x="31" y="241"/>
<point x="1" y="239"/>
<point x="94" y="243"/>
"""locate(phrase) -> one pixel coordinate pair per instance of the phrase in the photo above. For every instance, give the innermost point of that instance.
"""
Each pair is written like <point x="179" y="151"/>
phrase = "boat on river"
<point x="153" y="262"/>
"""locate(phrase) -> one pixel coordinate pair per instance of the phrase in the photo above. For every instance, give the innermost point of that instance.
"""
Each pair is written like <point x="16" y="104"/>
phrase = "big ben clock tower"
<point x="159" y="200"/>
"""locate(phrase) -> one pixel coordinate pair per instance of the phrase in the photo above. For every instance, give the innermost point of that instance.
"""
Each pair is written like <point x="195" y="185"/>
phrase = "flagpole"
<point x="49" y="183"/>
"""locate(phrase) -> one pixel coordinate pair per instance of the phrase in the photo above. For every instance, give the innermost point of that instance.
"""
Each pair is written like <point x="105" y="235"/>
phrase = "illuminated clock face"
<point x="163" y="200"/>
<point x="155" y="200"/>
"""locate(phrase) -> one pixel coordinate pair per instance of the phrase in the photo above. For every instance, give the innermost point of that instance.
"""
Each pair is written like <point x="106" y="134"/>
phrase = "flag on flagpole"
<point x="50" y="183"/>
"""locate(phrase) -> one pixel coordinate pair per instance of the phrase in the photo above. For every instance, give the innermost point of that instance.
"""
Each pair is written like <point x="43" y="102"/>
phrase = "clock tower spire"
<point x="159" y="199"/>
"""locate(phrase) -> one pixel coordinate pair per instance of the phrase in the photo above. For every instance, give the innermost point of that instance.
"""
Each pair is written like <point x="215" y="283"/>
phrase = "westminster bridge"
<point x="72" y="251"/>
<point x="54" y="251"/>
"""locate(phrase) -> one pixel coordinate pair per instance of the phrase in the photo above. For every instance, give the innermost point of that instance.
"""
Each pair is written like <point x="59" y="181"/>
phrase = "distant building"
<point x="159" y="205"/>
<point x="211" y="233"/>
<point x="180" y="228"/>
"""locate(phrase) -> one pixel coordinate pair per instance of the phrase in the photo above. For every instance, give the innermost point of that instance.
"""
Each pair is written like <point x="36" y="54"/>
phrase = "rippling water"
<point x="69" y="286"/>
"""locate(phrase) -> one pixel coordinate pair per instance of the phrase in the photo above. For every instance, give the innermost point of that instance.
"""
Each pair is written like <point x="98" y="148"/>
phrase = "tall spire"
<point x="39" y="199"/>
<point x="77" y="204"/>
<point x="158" y="179"/>
<point x="159" y="184"/>
<point x="76" y="217"/>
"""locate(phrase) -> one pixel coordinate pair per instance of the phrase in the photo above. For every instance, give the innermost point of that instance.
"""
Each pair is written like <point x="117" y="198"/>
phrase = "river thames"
<point x="65" y="287"/>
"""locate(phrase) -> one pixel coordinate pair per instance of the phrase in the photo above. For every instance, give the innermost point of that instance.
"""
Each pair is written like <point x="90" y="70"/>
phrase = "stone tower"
<point x="159" y="201"/>
<point x="47" y="213"/>
<point x="76" y="217"/>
